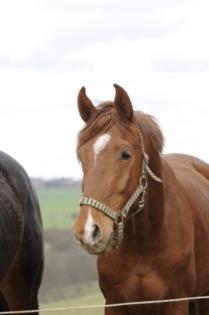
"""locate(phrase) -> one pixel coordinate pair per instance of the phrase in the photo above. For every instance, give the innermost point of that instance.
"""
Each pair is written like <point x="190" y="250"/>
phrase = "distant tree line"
<point x="54" y="182"/>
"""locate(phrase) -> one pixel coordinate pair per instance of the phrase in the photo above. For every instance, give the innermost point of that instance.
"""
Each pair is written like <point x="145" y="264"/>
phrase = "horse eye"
<point x="125" y="155"/>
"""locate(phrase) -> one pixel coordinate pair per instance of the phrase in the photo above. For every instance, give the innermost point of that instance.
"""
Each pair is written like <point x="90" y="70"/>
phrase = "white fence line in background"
<point x="70" y="308"/>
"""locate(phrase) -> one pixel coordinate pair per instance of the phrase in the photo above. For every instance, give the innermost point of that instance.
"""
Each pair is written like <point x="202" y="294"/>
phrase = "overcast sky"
<point x="158" y="50"/>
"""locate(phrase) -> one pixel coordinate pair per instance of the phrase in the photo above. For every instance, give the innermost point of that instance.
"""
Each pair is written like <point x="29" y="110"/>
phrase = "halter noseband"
<point x="119" y="216"/>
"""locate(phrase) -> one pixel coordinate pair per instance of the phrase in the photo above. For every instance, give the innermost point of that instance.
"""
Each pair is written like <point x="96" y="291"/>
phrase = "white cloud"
<point x="42" y="33"/>
<point x="157" y="50"/>
<point x="186" y="50"/>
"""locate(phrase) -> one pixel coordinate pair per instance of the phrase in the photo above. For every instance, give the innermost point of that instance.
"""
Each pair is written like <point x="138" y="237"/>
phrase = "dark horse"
<point x="146" y="215"/>
<point x="21" y="244"/>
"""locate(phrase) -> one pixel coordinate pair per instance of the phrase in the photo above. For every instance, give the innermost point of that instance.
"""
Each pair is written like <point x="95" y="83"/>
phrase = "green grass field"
<point x="92" y="299"/>
<point x="59" y="206"/>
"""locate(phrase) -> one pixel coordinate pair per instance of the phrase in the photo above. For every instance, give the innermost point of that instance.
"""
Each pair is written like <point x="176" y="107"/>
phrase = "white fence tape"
<point x="70" y="308"/>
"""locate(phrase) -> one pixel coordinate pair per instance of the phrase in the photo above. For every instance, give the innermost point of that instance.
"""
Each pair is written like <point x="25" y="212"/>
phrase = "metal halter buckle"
<point x="119" y="218"/>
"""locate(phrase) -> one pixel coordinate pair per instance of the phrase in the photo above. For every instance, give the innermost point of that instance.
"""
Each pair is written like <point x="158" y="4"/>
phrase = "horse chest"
<point x="131" y="284"/>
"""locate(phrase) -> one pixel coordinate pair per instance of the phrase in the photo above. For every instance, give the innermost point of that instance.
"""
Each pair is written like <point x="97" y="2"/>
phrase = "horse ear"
<point x="123" y="104"/>
<point x="85" y="106"/>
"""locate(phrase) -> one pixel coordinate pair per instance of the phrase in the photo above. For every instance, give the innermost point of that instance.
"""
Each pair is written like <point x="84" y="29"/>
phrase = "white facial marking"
<point x="100" y="143"/>
<point x="87" y="237"/>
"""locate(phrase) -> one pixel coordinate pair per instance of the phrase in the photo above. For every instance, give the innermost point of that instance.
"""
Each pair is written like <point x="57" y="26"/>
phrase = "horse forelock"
<point x="106" y="117"/>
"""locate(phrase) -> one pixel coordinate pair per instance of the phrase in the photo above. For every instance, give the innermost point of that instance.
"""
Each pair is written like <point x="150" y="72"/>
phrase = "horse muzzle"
<point x="91" y="237"/>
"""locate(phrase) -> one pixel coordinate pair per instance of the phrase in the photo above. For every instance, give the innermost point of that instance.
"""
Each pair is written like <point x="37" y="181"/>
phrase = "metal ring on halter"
<point x="143" y="181"/>
<point x="119" y="218"/>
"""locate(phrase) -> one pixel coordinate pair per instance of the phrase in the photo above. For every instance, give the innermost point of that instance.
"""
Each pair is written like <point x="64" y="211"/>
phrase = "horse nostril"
<point x="96" y="234"/>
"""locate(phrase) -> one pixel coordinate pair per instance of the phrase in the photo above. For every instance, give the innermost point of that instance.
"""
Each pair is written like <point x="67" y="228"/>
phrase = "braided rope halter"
<point x="119" y="217"/>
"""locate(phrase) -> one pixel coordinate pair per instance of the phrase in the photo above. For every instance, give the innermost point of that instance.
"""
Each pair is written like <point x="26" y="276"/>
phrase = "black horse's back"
<point x="21" y="240"/>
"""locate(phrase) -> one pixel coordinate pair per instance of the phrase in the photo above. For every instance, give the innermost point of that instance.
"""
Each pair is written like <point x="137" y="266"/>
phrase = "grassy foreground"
<point x="93" y="299"/>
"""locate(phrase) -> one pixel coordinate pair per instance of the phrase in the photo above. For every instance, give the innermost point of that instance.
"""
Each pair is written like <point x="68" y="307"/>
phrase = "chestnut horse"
<point x="146" y="215"/>
<point x="21" y="244"/>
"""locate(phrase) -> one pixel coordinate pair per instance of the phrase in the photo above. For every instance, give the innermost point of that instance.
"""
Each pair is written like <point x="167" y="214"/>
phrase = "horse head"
<point x="116" y="149"/>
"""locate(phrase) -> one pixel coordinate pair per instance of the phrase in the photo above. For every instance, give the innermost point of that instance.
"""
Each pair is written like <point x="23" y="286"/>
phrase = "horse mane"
<point x="105" y="117"/>
<point x="150" y="128"/>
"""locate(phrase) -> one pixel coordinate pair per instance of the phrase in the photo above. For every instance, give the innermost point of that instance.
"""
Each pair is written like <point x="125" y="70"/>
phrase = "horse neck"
<point x="147" y="223"/>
